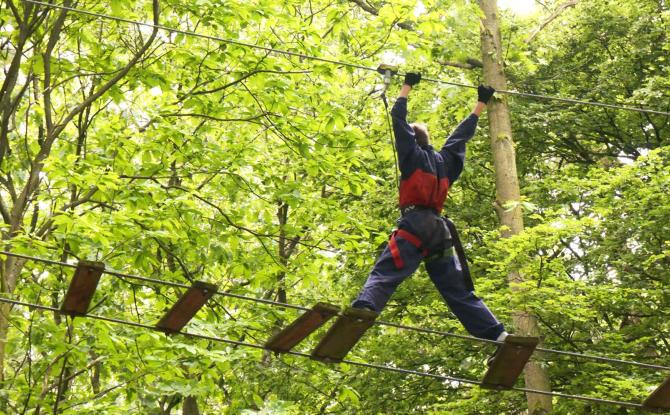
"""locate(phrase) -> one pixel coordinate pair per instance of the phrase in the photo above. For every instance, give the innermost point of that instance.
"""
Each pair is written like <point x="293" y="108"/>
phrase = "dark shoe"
<point x="493" y="357"/>
<point x="495" y="354"/>
<point x="363" y="306"/>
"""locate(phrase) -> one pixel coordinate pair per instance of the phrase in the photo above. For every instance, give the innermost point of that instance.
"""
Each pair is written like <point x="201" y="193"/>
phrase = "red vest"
<point x="425" y="188"/>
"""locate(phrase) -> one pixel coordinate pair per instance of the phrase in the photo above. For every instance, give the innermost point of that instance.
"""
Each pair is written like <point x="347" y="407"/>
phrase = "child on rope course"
<point x="423" y="234"/>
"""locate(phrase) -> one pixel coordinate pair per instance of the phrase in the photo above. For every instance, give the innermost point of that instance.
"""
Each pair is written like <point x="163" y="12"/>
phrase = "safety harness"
<point x="441" y="253"/>
<point x="409" y="237"/>
<point x="460" y="252"/>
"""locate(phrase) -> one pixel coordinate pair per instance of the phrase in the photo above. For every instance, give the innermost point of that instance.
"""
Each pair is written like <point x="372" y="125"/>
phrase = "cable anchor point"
<point x="387" y="72"/>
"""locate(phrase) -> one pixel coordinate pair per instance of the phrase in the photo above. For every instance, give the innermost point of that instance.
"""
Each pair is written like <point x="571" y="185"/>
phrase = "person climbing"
<point x="422" y="233"/>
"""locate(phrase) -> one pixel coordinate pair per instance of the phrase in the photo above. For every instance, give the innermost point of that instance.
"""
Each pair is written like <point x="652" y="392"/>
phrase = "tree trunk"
<point x="9" y="271"/>
<point x="284" y="254"/>
<point x="507" y="189"/>
<point x="190" y="406"/>
<point x="4" y="329"/>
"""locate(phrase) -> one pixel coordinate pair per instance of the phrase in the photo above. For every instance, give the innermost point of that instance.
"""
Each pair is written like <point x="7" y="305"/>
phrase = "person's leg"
<point x="398" y="261"/>
<point x="477" y="319"/>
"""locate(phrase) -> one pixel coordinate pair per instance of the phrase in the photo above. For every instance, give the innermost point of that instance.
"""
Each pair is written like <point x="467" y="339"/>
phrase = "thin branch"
<point x="80" y="201"/>
<point x="15" y="11"/>
<point x="75" y="374"/>
<point x="110" y="389"/>
<point x="44" y="229"/>
<point x="245" y="76"/>
<point x="54" y="36"/>
<point x="212" y="118"/>
<point x="6" y="217"/>
<point x="551" y="18"/>
<point x="470" y="63"/>
<point x="373" y="11"/>
<point x="109" y="84"/>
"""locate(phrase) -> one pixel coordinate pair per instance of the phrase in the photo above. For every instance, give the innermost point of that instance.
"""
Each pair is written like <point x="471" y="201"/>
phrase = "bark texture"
<point x="190" y="406"/>
<point x="507" y="189"/>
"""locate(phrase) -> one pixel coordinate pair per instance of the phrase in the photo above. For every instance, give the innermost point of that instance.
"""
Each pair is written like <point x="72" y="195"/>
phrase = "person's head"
<point x="421" y="134"/>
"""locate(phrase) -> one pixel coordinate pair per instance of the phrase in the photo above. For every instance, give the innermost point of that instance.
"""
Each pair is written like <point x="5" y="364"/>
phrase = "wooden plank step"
<point x="82" y="287"/>
<point x="659" y="400"/>
<point x="302" y="327"/>
<point x="509" y="362"/>
<point x="186" y="307"/>
<point x="344" y="334"/>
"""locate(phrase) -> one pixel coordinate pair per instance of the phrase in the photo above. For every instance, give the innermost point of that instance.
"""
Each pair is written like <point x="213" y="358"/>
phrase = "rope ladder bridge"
<point x="339" y="339"/>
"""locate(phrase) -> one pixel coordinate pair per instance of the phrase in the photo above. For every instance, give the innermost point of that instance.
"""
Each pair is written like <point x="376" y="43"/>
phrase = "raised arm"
<point x="453" y="150"/>
<point x="404" y="133"/>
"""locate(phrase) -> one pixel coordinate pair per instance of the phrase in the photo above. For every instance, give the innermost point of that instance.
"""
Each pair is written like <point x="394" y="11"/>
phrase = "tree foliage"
<point x="186" y="158"/>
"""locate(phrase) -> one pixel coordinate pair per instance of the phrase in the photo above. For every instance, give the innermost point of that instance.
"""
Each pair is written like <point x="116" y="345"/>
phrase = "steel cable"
<point x="380" y="323"/>
<point x="443" y="378"/>
<point x="625" y="107"/>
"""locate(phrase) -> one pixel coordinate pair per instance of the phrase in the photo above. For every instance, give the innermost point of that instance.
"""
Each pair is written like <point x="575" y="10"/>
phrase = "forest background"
<point x="182" y="158"/>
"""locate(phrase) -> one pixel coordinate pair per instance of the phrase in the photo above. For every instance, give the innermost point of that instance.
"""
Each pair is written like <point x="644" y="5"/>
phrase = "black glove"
<point x="484" y="93"/>
<point x="412" y="78"/>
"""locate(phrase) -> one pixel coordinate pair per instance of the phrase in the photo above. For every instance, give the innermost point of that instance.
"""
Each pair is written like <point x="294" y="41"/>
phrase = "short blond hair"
<point x="421" y="134"/>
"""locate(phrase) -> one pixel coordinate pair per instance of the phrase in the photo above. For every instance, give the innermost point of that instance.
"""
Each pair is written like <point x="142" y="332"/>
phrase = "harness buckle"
<point x="411" y="208"/>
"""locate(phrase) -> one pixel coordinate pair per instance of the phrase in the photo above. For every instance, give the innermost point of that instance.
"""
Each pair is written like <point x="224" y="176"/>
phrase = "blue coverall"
<point x="425" y="179"/>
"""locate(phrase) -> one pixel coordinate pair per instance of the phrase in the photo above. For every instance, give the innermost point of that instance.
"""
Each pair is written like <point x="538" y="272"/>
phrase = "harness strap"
<point x="395" y="251"/>
<point x="404" y="210"/>
<point x="458" y="246"/>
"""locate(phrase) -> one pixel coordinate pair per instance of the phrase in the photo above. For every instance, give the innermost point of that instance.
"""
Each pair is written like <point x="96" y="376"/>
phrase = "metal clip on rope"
<point x="387" y="71"/>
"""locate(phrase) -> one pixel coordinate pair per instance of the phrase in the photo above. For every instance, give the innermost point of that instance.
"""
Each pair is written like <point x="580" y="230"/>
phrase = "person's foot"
<point x="492" y="358"/>
<point x="363" y="306"/>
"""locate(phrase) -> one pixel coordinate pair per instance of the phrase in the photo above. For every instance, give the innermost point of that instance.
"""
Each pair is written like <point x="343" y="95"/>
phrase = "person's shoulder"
<point x="429" y="150"/>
